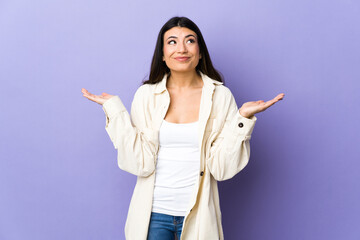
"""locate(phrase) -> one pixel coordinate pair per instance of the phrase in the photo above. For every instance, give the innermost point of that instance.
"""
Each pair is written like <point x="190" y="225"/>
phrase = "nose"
<point x="181" y="47"/>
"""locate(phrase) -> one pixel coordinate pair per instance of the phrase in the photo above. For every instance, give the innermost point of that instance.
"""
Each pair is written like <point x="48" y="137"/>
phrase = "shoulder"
<point x="223" y="92"/>
<point x="144" y="91"/>
<point x="144" y="88"/>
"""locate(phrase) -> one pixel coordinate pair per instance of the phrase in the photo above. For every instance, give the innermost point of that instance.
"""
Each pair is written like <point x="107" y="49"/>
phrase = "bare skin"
<point x="247" y="110"/>
<point x="184" y="84"/>
<point x="184" y="104"/>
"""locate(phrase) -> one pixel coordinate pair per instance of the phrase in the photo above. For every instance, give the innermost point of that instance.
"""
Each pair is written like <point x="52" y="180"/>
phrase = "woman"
<point x="185" y="134"/>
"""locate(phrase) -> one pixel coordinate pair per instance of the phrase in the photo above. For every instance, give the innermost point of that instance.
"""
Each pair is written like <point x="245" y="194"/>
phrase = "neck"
<point x="183" y="79"/>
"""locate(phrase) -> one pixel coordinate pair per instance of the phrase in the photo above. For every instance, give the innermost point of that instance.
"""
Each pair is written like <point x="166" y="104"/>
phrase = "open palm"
<point x="249" y="109"/>
<point x="100" y="99"/>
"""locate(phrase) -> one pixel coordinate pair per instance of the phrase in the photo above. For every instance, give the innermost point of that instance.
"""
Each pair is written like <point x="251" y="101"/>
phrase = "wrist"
<point x="245" y="115"/>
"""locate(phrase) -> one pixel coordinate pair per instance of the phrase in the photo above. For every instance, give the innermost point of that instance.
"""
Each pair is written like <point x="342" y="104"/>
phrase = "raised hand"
<point x="100" y="99"/>
<point x="249" y="109"/>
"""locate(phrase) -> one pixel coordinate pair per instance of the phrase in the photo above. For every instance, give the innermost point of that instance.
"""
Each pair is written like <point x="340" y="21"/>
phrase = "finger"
<point x="270" y="103"/>
<point x="280" y="96"/>
<point x="85" y="92"/>
<point x="91" y="95"/>
<point x="274" y="100"/>
<point x="106" y="94"/>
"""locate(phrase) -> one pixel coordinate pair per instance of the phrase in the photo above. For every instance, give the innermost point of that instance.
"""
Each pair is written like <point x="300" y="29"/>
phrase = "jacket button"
<point x="241" y="125"/>
<point x="202" y="173"/>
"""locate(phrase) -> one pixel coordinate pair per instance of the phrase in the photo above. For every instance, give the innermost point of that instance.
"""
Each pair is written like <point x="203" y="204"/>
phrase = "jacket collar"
<point x="208" y="83"/>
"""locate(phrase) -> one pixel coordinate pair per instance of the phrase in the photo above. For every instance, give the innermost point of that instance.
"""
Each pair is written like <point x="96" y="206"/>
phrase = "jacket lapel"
<point x="205" y="110"/>
<point x="163" y="98"/>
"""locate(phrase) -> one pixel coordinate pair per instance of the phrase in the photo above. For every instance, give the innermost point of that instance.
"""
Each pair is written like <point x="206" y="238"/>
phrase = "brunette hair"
<point x="158" y="66"/>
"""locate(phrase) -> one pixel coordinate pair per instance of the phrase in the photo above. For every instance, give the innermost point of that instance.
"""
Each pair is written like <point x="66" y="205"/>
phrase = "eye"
<point x="171" y="42"/>
<point x="191" y="40"/>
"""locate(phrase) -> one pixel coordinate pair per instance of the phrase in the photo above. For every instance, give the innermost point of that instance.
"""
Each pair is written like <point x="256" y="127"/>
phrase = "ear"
<point x="163" y="58"/>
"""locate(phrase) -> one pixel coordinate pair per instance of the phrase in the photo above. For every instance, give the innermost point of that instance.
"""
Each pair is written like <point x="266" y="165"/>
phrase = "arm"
<point x="230" y="152"/>
<point x="135" y="143"/>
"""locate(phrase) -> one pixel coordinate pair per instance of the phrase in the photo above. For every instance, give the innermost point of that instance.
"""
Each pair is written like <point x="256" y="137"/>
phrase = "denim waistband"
<point x="166" y="217"/>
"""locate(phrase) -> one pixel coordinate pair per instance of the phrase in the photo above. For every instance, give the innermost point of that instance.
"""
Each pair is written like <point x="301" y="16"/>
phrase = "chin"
<point x="183" y="70"/>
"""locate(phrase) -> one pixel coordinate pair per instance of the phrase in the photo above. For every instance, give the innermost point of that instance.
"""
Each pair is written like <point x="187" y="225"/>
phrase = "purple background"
<point x="58" y="171"/>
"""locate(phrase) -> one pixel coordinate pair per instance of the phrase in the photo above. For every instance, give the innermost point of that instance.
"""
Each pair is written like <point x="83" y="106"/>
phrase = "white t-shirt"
<point x="177" y="167"/>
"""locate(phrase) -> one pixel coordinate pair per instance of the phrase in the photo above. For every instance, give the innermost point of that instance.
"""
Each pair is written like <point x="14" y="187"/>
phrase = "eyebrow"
<point x="185" y="36"/>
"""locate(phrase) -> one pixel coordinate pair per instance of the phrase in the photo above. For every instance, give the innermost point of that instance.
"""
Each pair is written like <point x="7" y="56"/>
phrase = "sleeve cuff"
<point x="113" y="106"/>
<point x="242" y="126"/>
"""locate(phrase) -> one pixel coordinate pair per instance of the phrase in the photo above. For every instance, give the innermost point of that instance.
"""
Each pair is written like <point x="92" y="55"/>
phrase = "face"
<point x="181" y="51"/>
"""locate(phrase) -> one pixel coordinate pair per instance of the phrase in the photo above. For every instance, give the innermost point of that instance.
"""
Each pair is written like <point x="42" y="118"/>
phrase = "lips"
<point x="182" y="59"/>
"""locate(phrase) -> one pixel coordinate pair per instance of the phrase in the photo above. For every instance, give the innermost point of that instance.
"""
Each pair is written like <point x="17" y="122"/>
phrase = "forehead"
<point x="178" y="32"/>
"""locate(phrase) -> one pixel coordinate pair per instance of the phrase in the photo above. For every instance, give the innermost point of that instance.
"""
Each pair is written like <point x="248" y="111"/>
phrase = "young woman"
<point x="185" y="133"/>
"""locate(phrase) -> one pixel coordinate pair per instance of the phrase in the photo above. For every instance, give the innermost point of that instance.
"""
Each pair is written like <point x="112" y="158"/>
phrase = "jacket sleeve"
<point x="135" y="143"/>
<point x="230" y="151"/>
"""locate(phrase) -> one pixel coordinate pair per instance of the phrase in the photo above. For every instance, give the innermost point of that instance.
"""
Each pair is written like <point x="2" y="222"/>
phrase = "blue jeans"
<point x="165" y="227"/>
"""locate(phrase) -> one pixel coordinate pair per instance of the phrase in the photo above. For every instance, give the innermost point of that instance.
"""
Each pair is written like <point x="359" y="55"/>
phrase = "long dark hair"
<point x="158" y="66"/>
